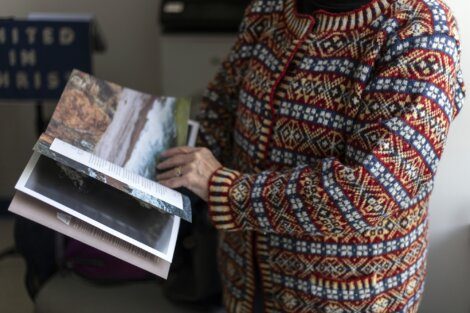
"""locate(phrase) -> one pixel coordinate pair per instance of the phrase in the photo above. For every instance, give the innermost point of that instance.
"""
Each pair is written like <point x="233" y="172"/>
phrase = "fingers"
<point x="188" y="167"/>
<point x="176" y="160"/>
<point x="173" y="173"/>
<point x="177" y="150"/>
<point x="175" y="182"/>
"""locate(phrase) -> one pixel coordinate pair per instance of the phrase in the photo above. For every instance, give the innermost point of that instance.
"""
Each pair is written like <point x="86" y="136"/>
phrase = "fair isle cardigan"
<point x="330" y="128"/>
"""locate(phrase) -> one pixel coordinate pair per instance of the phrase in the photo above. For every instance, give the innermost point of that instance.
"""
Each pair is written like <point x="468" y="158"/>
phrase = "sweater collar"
<point x="308" y="6"/>
<point x="322" y="20"/>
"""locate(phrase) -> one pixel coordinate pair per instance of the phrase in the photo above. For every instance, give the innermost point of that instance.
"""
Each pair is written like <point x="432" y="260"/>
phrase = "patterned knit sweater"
<point x="330" y="128"/>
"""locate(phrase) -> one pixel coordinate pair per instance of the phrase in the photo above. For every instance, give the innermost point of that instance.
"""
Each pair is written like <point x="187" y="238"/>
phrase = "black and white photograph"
<point x="101" y="205"/>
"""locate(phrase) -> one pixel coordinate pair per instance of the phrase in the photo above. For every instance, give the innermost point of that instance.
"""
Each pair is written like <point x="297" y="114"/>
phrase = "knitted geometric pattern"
<point x="330" y="128"/>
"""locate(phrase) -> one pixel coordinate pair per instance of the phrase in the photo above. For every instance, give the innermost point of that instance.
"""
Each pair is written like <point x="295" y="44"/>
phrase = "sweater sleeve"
<point x="390" y="160"/>
<point x="220" y="99"/>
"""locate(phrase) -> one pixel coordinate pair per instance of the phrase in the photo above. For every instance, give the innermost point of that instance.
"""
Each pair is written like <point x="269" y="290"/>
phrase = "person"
<point x="320" y="139"/>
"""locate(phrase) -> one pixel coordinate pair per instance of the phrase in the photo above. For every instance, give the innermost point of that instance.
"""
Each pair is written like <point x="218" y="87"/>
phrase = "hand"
<point x="188" y="167"/>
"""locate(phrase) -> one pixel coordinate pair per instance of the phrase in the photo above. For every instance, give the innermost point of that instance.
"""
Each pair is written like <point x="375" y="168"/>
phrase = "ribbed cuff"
<point x="220" y="211"/>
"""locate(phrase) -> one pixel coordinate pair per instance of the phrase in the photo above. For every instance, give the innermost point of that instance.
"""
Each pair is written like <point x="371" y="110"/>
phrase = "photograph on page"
<point x="100" y="205"/>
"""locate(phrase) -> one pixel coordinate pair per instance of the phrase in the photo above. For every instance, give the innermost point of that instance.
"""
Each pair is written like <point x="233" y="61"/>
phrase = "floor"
<point x="13" y="296"/>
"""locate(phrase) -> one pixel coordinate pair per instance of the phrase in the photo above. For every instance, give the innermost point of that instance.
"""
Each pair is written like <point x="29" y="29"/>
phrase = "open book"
<point x="91" y="175"/>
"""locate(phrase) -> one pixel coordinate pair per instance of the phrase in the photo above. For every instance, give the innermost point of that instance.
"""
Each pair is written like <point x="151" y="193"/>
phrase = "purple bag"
<point x="96" y="265"/>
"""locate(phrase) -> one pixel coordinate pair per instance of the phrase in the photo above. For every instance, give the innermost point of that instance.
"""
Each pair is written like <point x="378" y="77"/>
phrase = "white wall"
<point x="132" y="59"/>
<point x="448" y="281"/>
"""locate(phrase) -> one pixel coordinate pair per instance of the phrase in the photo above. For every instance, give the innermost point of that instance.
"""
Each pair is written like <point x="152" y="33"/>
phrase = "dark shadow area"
<point x="4" y="203"/>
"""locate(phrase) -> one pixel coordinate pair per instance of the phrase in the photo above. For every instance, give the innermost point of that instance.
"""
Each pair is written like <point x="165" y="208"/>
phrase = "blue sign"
<point x="36" y="57"/>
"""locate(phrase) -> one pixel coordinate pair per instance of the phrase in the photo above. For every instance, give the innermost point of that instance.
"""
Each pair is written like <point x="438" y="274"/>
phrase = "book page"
<point x="112" y="170"/>
<point x="122" y="127"/>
